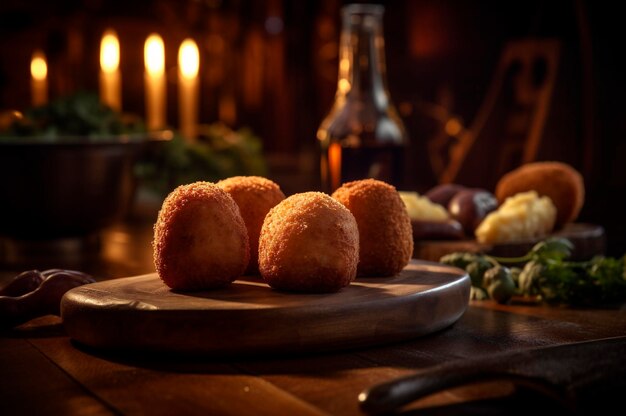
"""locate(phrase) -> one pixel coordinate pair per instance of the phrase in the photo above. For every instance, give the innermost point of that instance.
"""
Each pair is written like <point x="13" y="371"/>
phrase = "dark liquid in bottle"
<point x="362" y="136"/>
<point x="385" y="163"/>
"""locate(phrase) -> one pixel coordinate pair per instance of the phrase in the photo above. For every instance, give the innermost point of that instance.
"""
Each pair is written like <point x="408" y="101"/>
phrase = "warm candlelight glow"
<point x="334" y="161"/>
<point x="453" y="127"/>
<point x="109" y="52"/>
<point x="189" y="59"/>
<point x="188" y="67"/>
<point x="39" y="81"/>
<point x="38" y="66"/>
<point x="154" y="55"/>
<point x="227" y="109"/>
<point x="154" y="59"/>
<point x="344" y="67"/>
<point x="344" y="86"/>
<point x="110" y="77"/>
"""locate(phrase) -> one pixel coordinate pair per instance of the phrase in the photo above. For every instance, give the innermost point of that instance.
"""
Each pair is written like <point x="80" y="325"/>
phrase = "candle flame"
<point x="189" y="59"/>
<point x="38" y="66"/>
<point x="109" y="52"/>
<point x="154" y="55"/>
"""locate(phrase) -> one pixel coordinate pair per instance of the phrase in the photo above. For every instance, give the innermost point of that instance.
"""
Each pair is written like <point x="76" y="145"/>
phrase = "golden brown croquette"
<point x="255" y="196"/>
<point x="558" y="181"/>
<point x="200" y="240"/>
<point x="309" y="243"/>
<point x="385" y="233"/>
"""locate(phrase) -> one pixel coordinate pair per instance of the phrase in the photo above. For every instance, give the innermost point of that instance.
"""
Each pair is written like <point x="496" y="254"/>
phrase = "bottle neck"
<point x="362" y="72"/>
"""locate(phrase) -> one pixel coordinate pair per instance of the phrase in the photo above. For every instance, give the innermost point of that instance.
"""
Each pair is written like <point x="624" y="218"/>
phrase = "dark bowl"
<point x="69" y="187"/>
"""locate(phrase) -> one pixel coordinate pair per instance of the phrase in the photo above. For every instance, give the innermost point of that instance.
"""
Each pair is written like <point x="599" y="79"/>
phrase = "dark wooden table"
<point x="43" y="372"/>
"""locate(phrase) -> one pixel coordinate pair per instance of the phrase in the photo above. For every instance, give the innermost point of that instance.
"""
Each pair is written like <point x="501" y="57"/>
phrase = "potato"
<point x="471" y="206"/>
<point x="442" y="194"/>
<point x="521" y="217"/>
<point x="437" y="230"/>
<point x="421" y="208"/>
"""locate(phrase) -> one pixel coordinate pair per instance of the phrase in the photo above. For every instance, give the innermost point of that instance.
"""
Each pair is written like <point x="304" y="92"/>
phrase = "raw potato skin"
<point x="385" y="232"/>
<point x="442" y="194"/>
<point x="559" y="181"/>
<point x="255" y="196"/>
<point x="309" y="243"/>
<point x="200" y="240"/>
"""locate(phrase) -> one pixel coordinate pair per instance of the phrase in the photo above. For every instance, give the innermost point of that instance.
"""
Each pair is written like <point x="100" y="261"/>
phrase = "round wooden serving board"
<point x="249" y="318"/>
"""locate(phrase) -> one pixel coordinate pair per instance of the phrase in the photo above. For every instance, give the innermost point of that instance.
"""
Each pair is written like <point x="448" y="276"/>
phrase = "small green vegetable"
<point x="529" y="278"/>
<point x="478" y="293"/>
<point x="460" y="260"/>
<point x="477" y="269"/>
<point x="499" y="283"/>
<point x="546" y="275"/>
<point x="515" y="273"/>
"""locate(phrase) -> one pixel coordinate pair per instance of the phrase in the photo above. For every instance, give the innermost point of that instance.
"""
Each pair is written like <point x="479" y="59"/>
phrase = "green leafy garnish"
<point x="78" y="115"/>
<point x="218" y="153"/>
<point x="547" y="275"/>
<point x="552" y="248"/>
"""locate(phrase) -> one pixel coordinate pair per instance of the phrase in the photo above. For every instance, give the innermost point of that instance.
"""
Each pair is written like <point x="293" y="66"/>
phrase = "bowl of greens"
<point x="66" y="169"/>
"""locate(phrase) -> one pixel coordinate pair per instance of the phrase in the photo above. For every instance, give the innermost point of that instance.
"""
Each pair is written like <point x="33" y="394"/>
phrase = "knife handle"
<point x="391" y="396"/>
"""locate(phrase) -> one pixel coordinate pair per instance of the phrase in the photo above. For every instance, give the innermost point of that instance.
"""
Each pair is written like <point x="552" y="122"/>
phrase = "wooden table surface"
<point x="43" y="372"/>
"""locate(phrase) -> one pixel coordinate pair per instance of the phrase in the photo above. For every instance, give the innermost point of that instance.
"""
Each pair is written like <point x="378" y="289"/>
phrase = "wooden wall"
<point x="272" y="65"/>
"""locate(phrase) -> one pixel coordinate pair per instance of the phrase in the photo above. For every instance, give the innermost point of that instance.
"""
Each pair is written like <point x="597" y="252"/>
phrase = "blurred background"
<point x="530" y="80"/>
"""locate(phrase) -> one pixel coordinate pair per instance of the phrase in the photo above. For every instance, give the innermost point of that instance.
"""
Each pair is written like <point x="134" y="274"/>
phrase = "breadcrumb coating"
<point x="255" y="196"/>
<point x="309" y="243"/>
<point x="385" y="233"/>
<point x="559" y="181"/>
<point x="200" y="240"/>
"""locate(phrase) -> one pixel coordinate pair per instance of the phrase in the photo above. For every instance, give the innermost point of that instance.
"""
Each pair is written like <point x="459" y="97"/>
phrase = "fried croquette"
<point x="255" y="196"/>
<point x="385" y="233"/>
<point x="200" y="239"/>
<point x="558" y="181"/>
<point x="309" y="243"/>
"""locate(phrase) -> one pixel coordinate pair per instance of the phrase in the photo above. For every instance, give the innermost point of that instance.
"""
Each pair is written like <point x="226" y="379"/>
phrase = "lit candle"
<point x="110" y="79"/>
<point x="39" y="81"/>
<point x="188" y="66"/>
<point x="154" y="58"/>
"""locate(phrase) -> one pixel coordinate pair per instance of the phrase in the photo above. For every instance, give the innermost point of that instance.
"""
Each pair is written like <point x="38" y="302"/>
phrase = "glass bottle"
<point x="362" y="136"/>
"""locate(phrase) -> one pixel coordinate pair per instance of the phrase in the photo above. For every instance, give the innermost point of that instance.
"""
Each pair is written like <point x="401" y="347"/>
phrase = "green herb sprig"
<point x="78" y="115"/>
<point x="546" y="275"/>
<point x="218" y="153"/>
